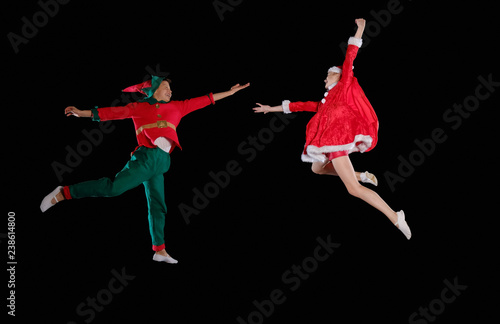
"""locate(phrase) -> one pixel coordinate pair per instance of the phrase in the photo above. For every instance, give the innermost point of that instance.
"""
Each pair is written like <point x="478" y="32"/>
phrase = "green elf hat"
<point x="147" y="88"/>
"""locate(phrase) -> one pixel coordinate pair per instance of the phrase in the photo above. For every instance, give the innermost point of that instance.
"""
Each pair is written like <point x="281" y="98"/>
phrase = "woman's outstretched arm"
<point x="288" y="107"/>
<point x="265" y="109"/>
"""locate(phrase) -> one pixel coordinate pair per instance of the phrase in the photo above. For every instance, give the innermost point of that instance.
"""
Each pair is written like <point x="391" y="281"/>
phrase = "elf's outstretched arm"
<point x="232" y="91"/>
<point x="73" y="111"/>
<point x="103" y="114"/>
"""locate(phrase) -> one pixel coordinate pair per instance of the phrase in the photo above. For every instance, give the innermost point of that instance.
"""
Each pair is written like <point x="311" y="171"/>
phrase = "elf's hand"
<point x="73" y="111"/>
<point x="238" y="87"/>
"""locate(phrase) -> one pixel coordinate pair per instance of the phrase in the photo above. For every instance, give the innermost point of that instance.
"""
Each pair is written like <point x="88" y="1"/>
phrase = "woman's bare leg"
<point x="328" y="169"/>
<point x="344" y="169"/>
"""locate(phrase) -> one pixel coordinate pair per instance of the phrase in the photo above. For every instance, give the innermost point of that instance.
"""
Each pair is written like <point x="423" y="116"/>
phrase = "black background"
<point x="427" y="58"/>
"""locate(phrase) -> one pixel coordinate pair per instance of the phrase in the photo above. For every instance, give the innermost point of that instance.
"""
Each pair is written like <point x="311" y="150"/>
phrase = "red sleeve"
<point x="191" y="105"/>
<point x="350" y="55"/>
<point x="304" y="106"/>
<point x="114" y="113"/>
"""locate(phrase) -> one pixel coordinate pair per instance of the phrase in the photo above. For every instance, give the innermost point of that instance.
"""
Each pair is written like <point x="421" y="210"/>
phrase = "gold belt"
<point x="159" y="124"/>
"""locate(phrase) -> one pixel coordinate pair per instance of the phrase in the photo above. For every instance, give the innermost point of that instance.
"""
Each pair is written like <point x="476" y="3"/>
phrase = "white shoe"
<point x="367" y="177"/>
<point x="167" y="259"/>
<point x="403" y="226"/>
<point x="47" y="201"/>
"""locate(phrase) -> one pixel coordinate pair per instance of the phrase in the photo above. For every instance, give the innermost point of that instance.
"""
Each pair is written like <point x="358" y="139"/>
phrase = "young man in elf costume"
<point x="156" y="118"/>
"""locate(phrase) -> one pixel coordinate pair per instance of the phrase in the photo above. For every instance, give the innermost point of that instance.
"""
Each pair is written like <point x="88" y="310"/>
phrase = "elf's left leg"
<point x="144" y="163"/>
<point x="157" y="209"/>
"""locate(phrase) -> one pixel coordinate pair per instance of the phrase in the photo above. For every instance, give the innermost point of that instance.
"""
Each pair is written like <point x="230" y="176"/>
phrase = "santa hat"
<point x="336" y="69"/>
<point x="148" y="87"/>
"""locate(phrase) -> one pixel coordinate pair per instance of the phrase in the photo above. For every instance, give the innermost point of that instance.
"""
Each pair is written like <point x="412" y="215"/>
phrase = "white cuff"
<point x="355" y="41"/>
<point x="286" y="106"/>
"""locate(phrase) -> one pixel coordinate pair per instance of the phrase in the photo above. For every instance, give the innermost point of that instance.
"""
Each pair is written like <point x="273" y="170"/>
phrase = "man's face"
<point x="163" y="92"/>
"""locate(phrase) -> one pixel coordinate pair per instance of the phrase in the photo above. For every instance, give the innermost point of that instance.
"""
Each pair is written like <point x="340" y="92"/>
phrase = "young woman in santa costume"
<point x="156" y="118"/>
<point x="344" y="123"/>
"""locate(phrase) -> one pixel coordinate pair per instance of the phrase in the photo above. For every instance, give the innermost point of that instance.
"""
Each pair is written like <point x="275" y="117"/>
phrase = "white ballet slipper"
<point x="161" y="258"/>
<point x="47" y="201"/>
<point x="367" y="177"/>
<point x="402" y="225"/>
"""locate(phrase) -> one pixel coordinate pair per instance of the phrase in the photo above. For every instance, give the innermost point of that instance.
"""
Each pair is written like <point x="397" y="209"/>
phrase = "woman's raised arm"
<point x="361" y="27"/>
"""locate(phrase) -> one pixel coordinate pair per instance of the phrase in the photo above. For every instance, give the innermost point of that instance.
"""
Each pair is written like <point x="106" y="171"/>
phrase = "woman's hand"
<point x="361" y="27"/>
<point x="73" y="111"/>
<point x="262" y="109"/>
<point x="360" y="22"/>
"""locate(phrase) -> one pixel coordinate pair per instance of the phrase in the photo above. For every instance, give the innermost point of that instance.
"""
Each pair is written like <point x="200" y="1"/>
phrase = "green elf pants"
<point x="146" y="166"/>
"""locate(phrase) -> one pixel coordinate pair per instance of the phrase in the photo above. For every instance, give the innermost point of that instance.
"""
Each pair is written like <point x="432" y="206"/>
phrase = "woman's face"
<point x="331" y="78"/>
<point x="163" y="92"/>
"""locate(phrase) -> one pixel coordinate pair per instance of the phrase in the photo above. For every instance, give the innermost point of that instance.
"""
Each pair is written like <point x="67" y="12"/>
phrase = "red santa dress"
<point x="344" y="119"/>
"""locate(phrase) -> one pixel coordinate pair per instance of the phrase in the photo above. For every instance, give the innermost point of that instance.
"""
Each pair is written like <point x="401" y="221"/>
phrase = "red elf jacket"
<point x="154" y="120"/>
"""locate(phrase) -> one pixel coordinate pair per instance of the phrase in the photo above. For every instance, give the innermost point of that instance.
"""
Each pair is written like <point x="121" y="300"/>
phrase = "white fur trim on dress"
<point x="317" y="154"/>
<point x="286" y="106"/>
<point x="355" y="41"/>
